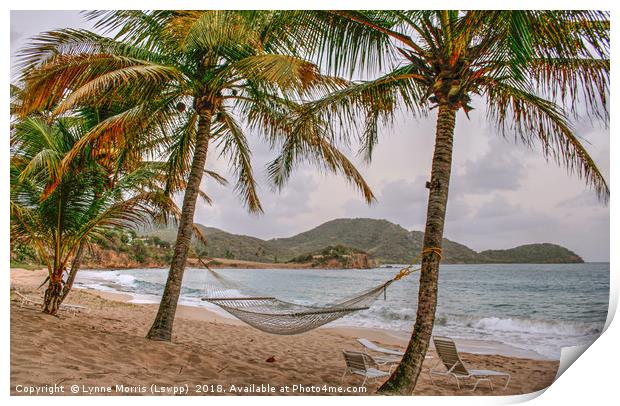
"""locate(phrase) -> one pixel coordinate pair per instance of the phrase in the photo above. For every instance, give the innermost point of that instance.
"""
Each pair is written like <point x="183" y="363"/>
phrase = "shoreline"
<point x="398" y="338"/>
<point x="200" y="311"/>
<point x="106" y="346"/>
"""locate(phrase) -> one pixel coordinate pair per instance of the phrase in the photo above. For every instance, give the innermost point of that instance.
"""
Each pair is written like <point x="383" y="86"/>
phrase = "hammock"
<point x="276" y="316"/>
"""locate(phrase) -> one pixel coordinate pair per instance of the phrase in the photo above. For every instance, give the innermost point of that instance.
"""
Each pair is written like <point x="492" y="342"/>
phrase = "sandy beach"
<point x="103" y="351"/>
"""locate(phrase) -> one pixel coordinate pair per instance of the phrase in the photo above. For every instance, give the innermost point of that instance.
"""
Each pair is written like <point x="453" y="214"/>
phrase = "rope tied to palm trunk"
<point x="408" y="270"/>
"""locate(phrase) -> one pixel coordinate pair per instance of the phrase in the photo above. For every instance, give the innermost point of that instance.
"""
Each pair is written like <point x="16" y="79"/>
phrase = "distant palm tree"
<point x="195" y="75"/>
<point x="60" y="214"/>
<point x="532" y="68"/>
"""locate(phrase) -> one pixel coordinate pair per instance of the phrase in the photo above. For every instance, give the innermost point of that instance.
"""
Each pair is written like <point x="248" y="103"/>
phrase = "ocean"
<point x="535" y="309"/>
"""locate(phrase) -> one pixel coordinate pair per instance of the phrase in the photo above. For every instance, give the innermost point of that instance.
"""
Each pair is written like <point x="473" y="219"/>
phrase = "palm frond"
<point x="308" y="144"/>
<point x="233" y="144"/>
<point x="532" y="118"/>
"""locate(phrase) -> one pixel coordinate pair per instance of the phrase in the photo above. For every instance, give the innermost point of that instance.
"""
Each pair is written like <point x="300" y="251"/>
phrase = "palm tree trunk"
<point x="162" y="326"/>
<point x="75" y="266"/>
<point x="404" y="378"/>
<point x="53" y="293"/>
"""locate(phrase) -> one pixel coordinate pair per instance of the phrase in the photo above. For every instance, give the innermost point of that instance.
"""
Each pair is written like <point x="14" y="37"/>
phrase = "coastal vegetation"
<point x="336" y="256"/>
<point x="117" y="248"/>
<point x="58" y="216"/>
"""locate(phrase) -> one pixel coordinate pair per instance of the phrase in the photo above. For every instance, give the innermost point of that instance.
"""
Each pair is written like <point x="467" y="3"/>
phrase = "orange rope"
<point x="433" y="250"/>
<point x="408" y="269"/>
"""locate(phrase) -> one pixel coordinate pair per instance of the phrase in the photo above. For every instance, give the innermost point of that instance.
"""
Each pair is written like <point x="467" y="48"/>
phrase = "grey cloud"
<point x="500" y="168"/>
<point x="501" y="224"/>
<point x="283" y="210"/>
<point x="586" y="198"/>
<point x="458" y="209"/>
<point x="399" y="201"/>
<point x="15" y="35"/>
<point x="499" y="206"/>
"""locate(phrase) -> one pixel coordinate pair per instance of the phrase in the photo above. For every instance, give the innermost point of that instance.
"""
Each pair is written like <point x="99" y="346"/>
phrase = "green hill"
<point x="382" y="240"/>
<point x="233" y="246"/>
<point x="531" y="253"/>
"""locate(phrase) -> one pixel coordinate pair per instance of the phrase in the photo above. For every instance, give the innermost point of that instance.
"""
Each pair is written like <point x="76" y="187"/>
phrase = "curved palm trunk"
<point x="75" y="266"/>
<point x="162" y="326"/>
<point x="53" y="293"/>
<point x="404" y="378"/>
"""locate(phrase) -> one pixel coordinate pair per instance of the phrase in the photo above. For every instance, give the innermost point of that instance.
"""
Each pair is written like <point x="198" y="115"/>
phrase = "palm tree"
<point x="195" y="74"/>
<point x="534" y="69"/>
<point x="59" y="214"/>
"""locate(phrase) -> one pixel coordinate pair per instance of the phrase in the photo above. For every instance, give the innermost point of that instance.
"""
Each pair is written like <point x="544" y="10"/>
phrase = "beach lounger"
<point x="364" y="365"/>
<point x="374" y="347"/>
<point x="27" y="300"/>
<point x="449" y="357"/>
<point x="36" y="302"/>
<point x="73" y="308"/>
<point x="395" y="354"/>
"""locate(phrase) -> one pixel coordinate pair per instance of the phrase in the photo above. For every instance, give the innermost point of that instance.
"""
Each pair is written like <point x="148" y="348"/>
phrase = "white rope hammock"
<point x="276" y="316"/>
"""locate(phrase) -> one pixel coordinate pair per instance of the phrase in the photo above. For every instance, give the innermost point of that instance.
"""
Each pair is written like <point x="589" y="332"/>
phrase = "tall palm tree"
<point x="59" y="214"/>
<point x="204" y="75"/>
<point x="533" y="69"/>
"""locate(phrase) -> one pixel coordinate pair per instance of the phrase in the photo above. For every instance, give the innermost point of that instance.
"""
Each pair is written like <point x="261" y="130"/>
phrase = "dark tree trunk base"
<point x="52" y="298"/>
<point x="159" y="335"/>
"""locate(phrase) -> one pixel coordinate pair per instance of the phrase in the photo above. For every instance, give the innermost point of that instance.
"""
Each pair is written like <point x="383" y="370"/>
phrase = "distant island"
<point x="340" y="243"/>
<point x="336" y="256"/>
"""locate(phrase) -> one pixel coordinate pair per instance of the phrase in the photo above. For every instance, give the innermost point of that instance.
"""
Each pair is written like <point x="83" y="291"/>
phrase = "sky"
<point x="502" y="193"/>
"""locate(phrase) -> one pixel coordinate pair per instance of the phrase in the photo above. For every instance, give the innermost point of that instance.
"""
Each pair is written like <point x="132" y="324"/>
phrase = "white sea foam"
<point x="144" y="299"/>
<point x="125" y="280"/>
<point x="534" y="326"/>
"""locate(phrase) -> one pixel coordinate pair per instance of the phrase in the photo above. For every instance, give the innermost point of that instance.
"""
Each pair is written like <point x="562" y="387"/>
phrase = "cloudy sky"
<point x="502" y="193"/>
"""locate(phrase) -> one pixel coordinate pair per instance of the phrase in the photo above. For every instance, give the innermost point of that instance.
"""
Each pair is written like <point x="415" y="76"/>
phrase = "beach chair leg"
<point x="458" y="385"/>
<point x="507" y="382"/>
<point x="343" y="375"/>
<point x="430" y="375"/>
<point x="481" y="380"/>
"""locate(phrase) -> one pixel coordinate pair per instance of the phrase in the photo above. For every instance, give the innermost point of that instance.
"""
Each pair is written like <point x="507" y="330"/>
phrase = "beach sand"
<point x="104" y="348"/>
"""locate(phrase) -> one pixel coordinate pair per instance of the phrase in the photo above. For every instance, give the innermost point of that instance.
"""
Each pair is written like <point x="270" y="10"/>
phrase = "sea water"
<point x="536" y="308"/>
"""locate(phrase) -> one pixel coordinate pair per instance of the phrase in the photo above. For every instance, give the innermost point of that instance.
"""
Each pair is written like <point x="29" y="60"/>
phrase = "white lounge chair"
<point x="449" y="357"/>
<point x="27" y="300"/>
<point x="369" y="345"/>
<point x="36" y="302"/>
<point x="393" y="356"/>
<point x="364" y="365"/>
<point x="374" y="347"/>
